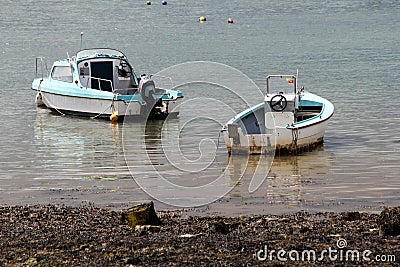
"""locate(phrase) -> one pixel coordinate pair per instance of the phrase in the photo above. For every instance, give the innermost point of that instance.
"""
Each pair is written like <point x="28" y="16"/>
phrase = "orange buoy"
<point x="230" y="20"/>
<point x="114" y="117"/>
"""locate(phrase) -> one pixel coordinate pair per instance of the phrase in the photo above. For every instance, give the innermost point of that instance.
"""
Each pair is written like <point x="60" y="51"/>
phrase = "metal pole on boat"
<point x="81" y="40"/>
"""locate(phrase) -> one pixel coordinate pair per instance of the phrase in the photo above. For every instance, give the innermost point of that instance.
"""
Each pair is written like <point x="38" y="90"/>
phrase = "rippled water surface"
<point x="346" y="51"/>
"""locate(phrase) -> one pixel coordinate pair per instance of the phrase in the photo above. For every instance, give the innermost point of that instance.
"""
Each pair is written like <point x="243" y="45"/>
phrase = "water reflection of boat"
<point x="68" y="148"/>
<point x="73" y="162"/>
<point x="286" y="178"/>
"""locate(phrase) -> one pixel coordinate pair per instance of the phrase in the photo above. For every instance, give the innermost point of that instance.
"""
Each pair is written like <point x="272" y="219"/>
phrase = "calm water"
<point x="346" y="51"/>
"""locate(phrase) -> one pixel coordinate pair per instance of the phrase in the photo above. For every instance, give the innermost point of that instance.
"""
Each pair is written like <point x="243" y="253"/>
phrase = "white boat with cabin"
<point x="101" y="83"/>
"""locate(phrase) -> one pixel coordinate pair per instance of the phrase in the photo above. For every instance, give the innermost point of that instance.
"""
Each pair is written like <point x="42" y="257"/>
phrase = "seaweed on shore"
<point x="52" y="235"/>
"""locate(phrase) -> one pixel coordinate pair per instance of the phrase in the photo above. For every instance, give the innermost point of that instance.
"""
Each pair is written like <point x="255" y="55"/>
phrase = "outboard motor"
<point x="147" y="90"/>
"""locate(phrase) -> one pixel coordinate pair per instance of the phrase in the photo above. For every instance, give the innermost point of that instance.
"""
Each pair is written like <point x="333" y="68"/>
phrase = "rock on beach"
<point x="142" y="214"/>
<point x="389" y="222"/>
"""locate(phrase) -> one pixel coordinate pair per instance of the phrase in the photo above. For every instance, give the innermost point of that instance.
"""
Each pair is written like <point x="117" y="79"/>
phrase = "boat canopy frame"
<point x="293" y="77"/>
<point x="98" y="52"/>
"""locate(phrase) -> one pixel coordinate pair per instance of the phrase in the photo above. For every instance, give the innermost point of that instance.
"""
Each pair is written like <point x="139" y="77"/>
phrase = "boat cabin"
<point x="101" y="69"/>
<point x="107" y="70"/>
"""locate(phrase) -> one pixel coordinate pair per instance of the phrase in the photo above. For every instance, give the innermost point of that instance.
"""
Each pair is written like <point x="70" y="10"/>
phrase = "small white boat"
<point x="286" y="122"/>
<point x="101" y="83"/>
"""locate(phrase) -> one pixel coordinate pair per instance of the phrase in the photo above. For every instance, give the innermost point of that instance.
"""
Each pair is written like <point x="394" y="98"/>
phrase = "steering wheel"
<point x="278" y="102"/>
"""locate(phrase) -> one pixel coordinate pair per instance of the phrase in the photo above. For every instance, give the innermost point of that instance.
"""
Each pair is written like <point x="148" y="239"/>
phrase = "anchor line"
<point x="40" y="83"/>
<point x="216" y="150"/>
<point x="110" y="106"/>
<point x="40" y="91"/>
<point x="219" y="134"/>
<point x="295" y="136"/>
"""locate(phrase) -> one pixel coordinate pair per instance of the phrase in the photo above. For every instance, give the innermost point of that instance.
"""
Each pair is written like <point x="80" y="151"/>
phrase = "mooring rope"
<point x="216" y="150"/>
<point x="63" y="114"/>
<point x="101" y="113"/>
<point x="295" y="136"/>
<point x="110" y="106"/>
<point x="47" y="100"/>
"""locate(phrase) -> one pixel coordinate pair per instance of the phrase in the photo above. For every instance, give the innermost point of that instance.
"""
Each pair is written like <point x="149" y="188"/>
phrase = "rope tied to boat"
<point x="39" y="98"/>
<point x="216" y="150"/>
<point x="47" y="100"/>
<point x="112" y="107"/>
<point x="295" y="137"/>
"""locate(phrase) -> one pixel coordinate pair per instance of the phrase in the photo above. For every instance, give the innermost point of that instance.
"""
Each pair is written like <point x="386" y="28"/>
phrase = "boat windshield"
<point x="285" y="84"/>
<point x="99" y="51"/>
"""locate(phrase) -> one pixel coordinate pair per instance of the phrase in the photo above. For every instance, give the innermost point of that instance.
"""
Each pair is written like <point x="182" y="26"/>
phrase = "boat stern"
<point x="237" y="142"/>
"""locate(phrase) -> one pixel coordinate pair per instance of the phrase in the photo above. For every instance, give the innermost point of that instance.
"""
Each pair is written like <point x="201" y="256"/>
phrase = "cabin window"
<point x="62" y="73"/>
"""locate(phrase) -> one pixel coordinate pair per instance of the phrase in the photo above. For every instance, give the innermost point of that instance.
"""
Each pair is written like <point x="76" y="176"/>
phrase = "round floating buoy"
<point x="164" y="2"/>
<point x="148" y="3"/>
<point x="202" y="19"/>
<point x="230" y="20"/>
<point x="113" y="117"/>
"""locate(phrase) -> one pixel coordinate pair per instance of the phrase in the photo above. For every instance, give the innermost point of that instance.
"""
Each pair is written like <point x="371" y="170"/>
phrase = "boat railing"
<point x="99" y="83"/>
<point x="41" y="67"/>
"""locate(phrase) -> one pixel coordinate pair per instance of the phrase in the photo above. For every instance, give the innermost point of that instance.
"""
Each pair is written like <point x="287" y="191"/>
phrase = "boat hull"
<point x="101" y="107"/>
<point x="282" y="140"/>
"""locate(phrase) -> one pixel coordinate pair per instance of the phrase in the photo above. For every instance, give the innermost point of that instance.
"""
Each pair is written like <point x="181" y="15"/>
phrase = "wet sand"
<point x="52" y="235"/>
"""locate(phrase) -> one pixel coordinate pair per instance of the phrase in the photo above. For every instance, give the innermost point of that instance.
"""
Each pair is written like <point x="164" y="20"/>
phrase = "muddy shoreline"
<point x="54" y="235"/>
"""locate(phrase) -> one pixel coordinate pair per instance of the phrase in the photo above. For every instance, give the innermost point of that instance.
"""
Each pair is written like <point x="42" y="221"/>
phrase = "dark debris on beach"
<point x="53" y="235"/>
